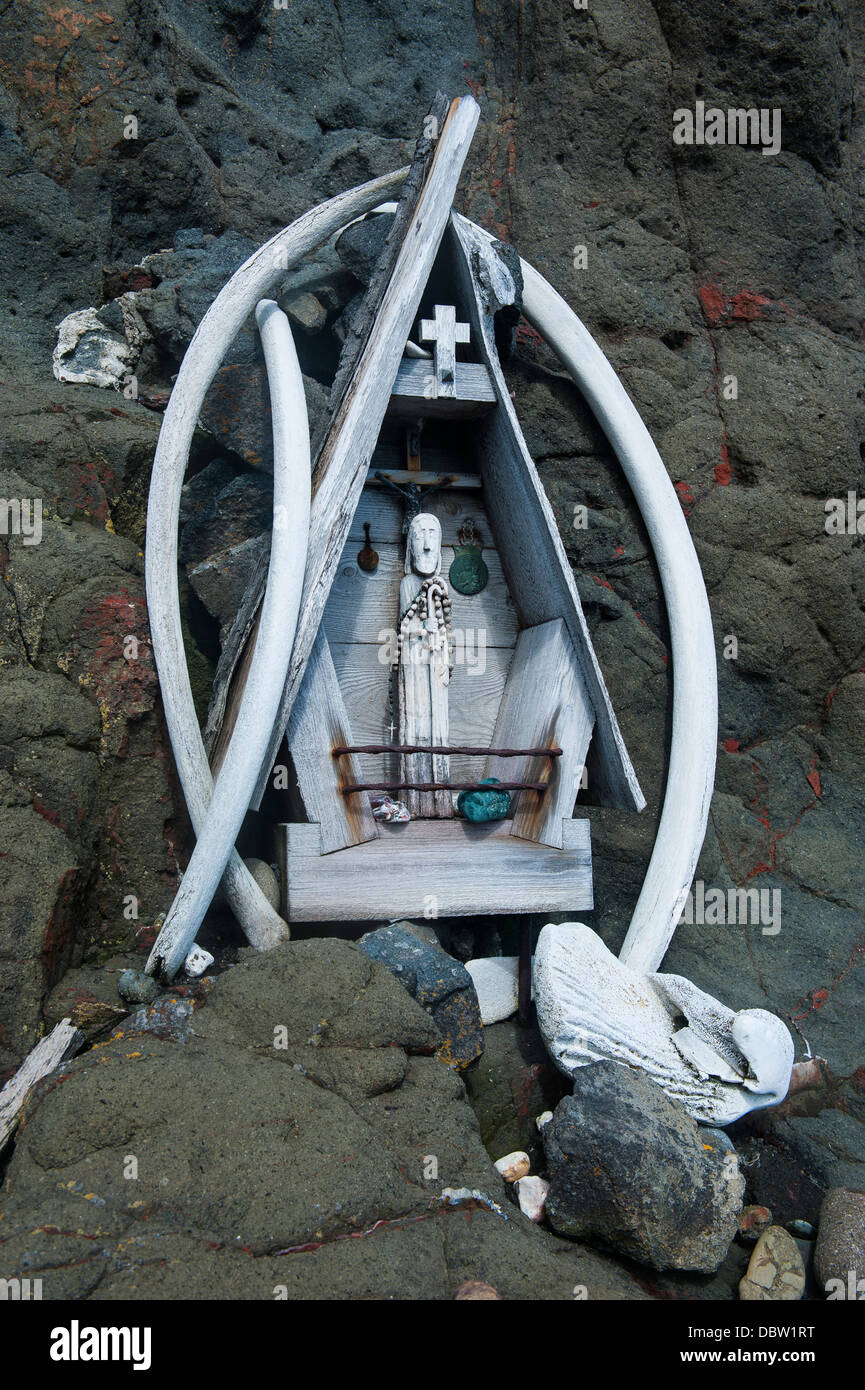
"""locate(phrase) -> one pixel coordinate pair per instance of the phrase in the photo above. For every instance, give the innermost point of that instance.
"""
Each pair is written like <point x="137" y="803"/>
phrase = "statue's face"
<point x="424" y="540"/>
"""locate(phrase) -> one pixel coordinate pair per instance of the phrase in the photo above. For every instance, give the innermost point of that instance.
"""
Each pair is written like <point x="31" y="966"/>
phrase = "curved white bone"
<point x="272" y="652"/>
<point x="691" y="773"/>
<point x="262" y="925"/>
<point x="692" y="754"/>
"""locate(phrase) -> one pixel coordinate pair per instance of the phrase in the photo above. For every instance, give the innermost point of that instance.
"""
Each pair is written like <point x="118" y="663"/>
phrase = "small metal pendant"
<point x="468" y="574"/>
<point x="367" y="558"/>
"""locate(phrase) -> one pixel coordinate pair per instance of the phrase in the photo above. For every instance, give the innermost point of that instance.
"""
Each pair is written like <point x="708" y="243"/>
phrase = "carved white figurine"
<point x="423" y="666"/>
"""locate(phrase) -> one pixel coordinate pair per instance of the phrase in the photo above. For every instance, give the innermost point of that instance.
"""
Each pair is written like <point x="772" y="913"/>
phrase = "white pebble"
<point x="544" y="1119"/>
<point x="532" y="1193"/>
<point x="197" y="961"/>
<point x="513" y="1166"/>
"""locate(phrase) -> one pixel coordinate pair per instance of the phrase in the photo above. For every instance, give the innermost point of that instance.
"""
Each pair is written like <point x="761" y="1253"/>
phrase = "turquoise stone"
<point x="484" y="806"/>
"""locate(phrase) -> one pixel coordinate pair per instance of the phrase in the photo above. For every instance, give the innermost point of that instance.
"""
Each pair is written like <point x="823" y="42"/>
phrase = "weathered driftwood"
<point x="231" y="667"/>
<point x="214" y="335"/>
<point x="318" y="721"/>
<point x="592" y="1007"/>
<point x="545" y="703"/>
<point x="61" y="1043"/>
<point x="270" y="657"/>
<point x="522" y="518"/>
<point x="341" y="469"/>
<point x="695" y="695"/>
<point x="403" y="876"/>
<point x="473" y="395"/>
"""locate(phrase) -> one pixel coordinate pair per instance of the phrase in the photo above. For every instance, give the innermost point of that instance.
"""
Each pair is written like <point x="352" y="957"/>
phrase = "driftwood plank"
<point x="342" y="465"/>
<point x="231" y="668"/>
<point x="385" y="513"/>
<point x="536" y="567"/>
<point x="61" y="1043"/>
<point x="474" y="393"/>
<point x="443" y="867"/>
<point x="545" y="704"/>
<point x="318" y="723"/>
<point x="361" y="606"/>
<point x="475" y="696"/>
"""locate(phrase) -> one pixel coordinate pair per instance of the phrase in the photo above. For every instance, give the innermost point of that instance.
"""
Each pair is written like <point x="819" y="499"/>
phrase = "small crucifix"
<point x="444" y="332"/>
<point x="413" y="493"/>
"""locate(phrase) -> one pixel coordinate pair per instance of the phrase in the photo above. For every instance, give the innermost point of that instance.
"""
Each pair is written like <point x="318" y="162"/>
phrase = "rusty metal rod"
<point x="445" y="748"/>
<point x="444" y="787"/>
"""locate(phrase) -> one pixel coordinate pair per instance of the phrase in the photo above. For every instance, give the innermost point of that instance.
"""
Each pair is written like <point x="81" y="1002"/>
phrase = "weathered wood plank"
<point x="318" y="723"/>
<point x="533" y="558"/>
<point x="62" y="1042"/>
<point x="545" y="704"/>
<point x="342" y="465"/>
<point x="449" y="867"/>
<point x="361" y="606"/>
<point x="475" y="696"/>
<point x="385" y="514"/>
<point x="410" y="398"/>
<point x="361" y="326"/>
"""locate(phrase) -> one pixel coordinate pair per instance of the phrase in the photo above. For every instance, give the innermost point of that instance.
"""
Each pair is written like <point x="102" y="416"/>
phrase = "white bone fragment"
<point x="89" y="353"/>
<point x="691" y="772"/>
<point x="496" y="982"/>
<point x="593" y="1007"/>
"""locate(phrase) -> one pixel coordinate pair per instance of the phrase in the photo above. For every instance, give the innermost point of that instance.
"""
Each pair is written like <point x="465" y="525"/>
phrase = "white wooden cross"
<point x="445" y="333"/>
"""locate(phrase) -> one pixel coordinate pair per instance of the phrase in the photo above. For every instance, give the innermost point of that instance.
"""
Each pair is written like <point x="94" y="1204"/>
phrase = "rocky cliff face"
<point x="724" y="285"/>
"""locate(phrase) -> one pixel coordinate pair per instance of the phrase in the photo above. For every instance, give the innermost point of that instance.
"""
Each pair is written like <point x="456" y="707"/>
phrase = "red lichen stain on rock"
<point x="747" y="305"/>
<point x="686" y="497"/>
<point x="731" y="745"/>
<point x="743" y="306"/>
<point x="723" y="470"/>
<point x="527" y="334"/>
<point x="713" y="302"/>
<point x="813" y="780"/>
<point x="59" y="935"/>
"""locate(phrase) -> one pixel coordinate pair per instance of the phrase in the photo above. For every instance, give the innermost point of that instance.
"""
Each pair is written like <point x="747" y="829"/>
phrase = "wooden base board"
<point x="445" y="868"/>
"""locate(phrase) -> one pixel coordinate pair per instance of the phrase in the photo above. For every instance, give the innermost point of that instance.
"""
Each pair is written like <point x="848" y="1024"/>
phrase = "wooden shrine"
<point x="525" y="699"/>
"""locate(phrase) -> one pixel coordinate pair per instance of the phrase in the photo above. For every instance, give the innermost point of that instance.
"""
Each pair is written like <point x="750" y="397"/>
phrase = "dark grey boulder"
<point x="293" y="1138"/>
<point x="631" y="1170"/>
<point x="840" y="1250"/>
<point x="441" y="984"/>
<point x="361" y="245"/>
